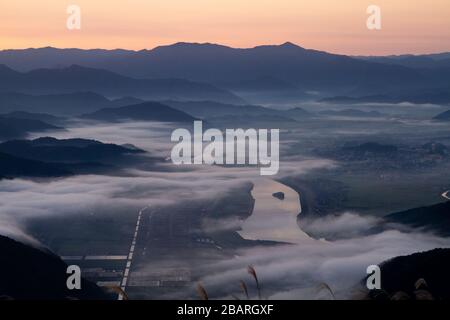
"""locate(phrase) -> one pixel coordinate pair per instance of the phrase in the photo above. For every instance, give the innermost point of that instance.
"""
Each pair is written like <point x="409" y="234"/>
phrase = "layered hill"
<point x="435" y="218"/>
<point x="444" y="116"/>
<point x="75" y="78"/>
<point x="12" y="127"/>
<point x="44" y="117"/>
<point x="432" y="96"/>
<point x="59" y="104"/>
<point x="147" y="111"/>
<point x="50" y="157"/>
<point x="212" y="109"/>
<point x="69" y="150"/>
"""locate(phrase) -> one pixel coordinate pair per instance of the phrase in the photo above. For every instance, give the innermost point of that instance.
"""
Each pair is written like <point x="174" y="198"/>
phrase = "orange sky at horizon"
<point x="408" y="26"/>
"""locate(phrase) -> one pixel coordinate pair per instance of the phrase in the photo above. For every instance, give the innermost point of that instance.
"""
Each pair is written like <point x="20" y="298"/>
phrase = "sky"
<point x="407" y="26"/>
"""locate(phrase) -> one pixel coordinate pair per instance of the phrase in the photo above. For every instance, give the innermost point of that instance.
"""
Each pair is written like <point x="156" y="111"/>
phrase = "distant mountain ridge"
<point x="436" y="60"/>
<point x="351" y="113"/>
<point x="281" y="70"/>
<point x="44" y="107"/>
<point x="212" y="109"/>
<point x="432" y="96"/>
<point x="372" y="147"/>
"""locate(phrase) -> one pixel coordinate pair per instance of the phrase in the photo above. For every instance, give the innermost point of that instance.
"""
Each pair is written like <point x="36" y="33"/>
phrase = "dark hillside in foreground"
<point x="400" y="275"/>
<point x="31" y="273"/>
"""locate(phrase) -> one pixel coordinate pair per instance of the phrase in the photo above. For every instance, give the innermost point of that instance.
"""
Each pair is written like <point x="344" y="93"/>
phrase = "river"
<point x="274" y="219"/>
